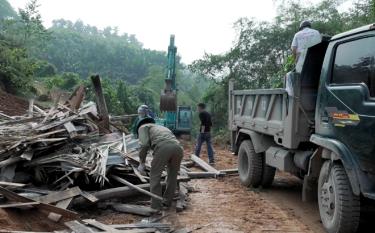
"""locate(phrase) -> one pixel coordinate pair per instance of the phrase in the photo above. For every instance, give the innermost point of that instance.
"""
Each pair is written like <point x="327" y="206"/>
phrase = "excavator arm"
<point x="168" y="97"/>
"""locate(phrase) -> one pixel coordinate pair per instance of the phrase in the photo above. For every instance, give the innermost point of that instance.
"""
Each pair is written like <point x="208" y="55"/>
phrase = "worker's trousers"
<point x="166" y="155"/>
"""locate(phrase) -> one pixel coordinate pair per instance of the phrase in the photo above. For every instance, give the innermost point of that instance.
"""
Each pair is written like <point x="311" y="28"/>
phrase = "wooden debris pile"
<point x="70" y="156"/>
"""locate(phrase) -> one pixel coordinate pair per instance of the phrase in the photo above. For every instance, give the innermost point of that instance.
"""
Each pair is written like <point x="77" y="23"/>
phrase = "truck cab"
<point x="323" y="131"/>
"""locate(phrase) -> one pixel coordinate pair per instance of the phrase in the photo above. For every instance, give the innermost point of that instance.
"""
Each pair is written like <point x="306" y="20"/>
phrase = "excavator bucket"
<point x="168" y="102"/>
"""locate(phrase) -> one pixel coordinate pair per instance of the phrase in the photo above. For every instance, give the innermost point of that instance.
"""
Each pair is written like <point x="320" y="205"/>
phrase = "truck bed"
<point x="271" y="112"/>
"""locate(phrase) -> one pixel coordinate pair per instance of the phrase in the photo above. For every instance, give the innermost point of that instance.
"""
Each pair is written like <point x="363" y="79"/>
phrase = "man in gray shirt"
<point x="167" y="152"/>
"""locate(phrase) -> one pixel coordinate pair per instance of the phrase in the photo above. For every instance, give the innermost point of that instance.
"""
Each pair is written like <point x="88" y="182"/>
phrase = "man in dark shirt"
<point x="205" y="133"/>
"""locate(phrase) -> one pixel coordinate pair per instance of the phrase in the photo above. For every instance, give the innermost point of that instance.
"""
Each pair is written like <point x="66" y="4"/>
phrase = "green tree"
<point x="260" y="57"/>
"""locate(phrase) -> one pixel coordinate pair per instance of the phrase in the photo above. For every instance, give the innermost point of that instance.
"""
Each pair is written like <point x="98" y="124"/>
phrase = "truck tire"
<point x="339" y="208"/>
<point x="249" y="165"/>
<point x="268" y="176"/>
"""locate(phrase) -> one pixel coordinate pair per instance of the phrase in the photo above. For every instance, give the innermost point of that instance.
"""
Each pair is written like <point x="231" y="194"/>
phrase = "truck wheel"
<point x="339" y="208"/>
<point x="249" y="165"/>
<point x="268" y="176"/>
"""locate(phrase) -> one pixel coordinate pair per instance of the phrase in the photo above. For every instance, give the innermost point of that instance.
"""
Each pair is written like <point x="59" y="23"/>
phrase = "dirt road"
<point x="225" y="206"/>
<point x="221" y="205"/>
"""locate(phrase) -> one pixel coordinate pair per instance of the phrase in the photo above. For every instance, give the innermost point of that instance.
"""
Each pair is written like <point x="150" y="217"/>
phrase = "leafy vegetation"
<point x="35" y="60"/>
<point x="260" y="56"/>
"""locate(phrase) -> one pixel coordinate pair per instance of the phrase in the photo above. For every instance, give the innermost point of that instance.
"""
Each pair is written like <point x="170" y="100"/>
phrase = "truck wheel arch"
<point x="261" y="142"/>
<point x="339" y="152"/>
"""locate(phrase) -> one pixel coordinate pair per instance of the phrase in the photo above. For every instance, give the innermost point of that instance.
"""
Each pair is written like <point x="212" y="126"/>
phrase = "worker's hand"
<point x="142" y="169"/>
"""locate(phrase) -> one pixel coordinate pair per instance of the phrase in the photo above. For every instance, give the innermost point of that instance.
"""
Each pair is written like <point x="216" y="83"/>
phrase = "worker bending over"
<point x="167" y="152"/>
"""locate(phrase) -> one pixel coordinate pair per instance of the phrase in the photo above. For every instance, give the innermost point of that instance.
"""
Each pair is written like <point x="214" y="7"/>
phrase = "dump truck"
<point x="320" y="128"/>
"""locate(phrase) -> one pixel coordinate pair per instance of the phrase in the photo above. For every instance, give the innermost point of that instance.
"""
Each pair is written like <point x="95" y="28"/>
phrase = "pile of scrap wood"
<point x="70" y="155"/>
<point x="63" y="146"/>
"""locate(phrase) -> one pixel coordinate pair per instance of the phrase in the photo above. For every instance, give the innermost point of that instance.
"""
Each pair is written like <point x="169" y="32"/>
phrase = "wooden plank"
<point x="40" y="110"/>
<point x="119" y="192"/>
<point x="188" y="164"/>
<point x="78" y="227"/>
<point x="76" y="98"/>
<point x="64" y="204"/>
<point x="136" y="187"/>
<point x="101" y="226"/>
<point x="139" y="175"/>
<point x="200" y="175"/>
<point x="134" y="209"/>
<point x="157" y="225"/>
<point x="59" y="196"/>
<point x="229" y="171"/>
<point x="6" y="116"/>
<point x="42" y="206"/>
<point x="71" y="129"/>
<point x="102" y="106"/>
<point x="20" y="204"/>
<point x="144" y="230"/>
<point x="89" y="197"/>
<point x="31" y="108"/>
<point x="184" y="178"/>
<point x="7" y="231"/>
<point x="205" y="166"/>
<point x="11" y="184"/>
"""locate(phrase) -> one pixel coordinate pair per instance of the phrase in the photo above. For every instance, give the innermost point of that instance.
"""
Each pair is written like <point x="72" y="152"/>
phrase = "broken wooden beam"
<point x="102" y="106"/>
<point x="202" y="175"/>
<point x="59" y="196"/>
<point x="76" y="98"/>
<point x="11" y="184"/>
<point x="78" y="227"/>
<point x="19" y="204"/>
<point x="42" y="206"/>
<point x="134" y="209"/>
<point x="101" y="226"/>
<point x="119" y="192"/>
<point x="229" y="171"/>
<point x="205" y="166"/>
<point x="157" y="225"/>
<point x="89" y="197"/>
<point x="136" y="187"/>
<point x="188" y="163"/>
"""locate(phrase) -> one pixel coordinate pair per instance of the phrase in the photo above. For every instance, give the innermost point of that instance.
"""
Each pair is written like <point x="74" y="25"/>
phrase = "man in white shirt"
<point x="305" y="38"/>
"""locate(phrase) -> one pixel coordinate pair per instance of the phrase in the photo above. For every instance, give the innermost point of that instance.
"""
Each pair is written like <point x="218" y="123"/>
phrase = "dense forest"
<point x="35" y="60"/>
<point x="261" y="56"/>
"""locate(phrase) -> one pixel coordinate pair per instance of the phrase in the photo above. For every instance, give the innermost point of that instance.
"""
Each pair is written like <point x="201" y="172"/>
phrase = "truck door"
<point x="346" y="105"/>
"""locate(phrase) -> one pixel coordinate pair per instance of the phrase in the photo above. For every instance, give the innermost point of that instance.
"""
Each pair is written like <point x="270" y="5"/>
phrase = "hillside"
<point x="6" y="10"/>
<point x="35" y="60"/>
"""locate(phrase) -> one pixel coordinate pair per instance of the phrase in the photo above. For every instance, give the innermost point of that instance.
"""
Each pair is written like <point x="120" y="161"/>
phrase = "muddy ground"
<point x="221" y="205"/>
<point x="225" y="206"/>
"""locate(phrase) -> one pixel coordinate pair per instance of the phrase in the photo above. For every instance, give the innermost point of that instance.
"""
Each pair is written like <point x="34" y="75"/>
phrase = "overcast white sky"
<point x="199" y="25"/>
